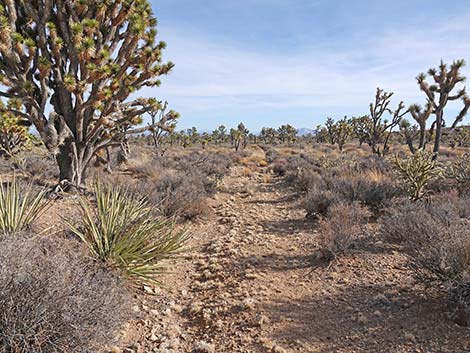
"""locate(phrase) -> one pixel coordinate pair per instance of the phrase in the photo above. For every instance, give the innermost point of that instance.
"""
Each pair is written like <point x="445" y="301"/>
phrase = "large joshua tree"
<point x="80" y="61"/>
<point x="441" y="92"/>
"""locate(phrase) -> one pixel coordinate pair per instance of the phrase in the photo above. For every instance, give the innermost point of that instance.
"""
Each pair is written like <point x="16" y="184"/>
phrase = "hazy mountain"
<point x="305" y="131"/>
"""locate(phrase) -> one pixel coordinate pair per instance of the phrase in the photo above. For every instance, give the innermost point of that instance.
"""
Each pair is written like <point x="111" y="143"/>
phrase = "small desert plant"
<point x="19" y="207"/>
<point x="122" y="230"/>
<point x="416" y="172"/>
<point x="54" y="299"/>
<point x="341" y="227"/>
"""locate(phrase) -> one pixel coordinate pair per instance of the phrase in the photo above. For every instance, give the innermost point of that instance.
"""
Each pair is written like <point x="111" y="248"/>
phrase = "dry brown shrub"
<point x="342" y="226"/>
<point x="53" y="299"/>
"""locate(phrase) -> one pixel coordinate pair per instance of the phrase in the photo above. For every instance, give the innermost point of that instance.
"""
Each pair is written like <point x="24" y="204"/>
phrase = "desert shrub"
<point x="279" y="167"/>
<point x="405" y="218"/>
<point x="40" y="168"/>
<point x="271" y="154"/>
<point x="306" y="178"/>
<point x="459" y="294"/>
<point x="317" y="201"/>
<point x="374" y="163"/>
<point x="371" y="189"/>
<point x="417" y="172"/>
<point x="433" y="234"/>
<point x="144" y="165"/>
<point x="339" y="229"/>
<point x="212" y="165"/>
<point x="459" y="171"/>
<point x="181" y="195"/>
<point x="121" y="229"/>
<point x="53" y="299"/>
<point x="19" y="206"/>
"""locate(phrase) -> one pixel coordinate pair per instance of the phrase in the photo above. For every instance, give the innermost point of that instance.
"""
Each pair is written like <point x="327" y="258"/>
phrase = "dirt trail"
<point x="248" y="286"/>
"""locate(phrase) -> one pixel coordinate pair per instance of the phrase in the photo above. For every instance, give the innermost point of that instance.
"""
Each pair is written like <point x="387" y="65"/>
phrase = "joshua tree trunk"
<point x="437" y="138"/>
<point x="73" y="162"/>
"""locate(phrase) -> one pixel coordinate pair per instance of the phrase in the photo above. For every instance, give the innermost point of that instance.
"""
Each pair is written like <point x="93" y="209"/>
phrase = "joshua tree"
<point x="81" y="60"/>
<point x="321" y="134"/>
<point x="219" y="135"/>
<point x="440" y="93"/>
<point x="287" y="133"/>
<point x="342" y="130"/>
<point x="269" y="135"/>
<point x="360" y="128"/>
<point x="378" y="129"/>
<point x="421" y="116"/>
<point x="330" y="130"/>
<point x="205" y="138"/>
<point x="239" y="136"/>
<point x="410" y="133"/>
<point x="161" y="126"/>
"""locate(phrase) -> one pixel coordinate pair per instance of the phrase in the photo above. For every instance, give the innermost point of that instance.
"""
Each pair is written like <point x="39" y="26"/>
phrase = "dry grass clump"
<point x="341" y="227"/>
<point x="53" y="299"/>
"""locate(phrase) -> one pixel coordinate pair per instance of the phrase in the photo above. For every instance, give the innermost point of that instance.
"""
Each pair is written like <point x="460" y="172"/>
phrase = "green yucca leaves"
<point x="19" y="208"/>
<point x="121" y="229"/>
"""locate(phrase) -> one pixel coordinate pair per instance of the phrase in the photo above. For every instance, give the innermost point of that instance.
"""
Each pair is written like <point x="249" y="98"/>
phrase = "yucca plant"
<point x="19" y="207"/>
<point x="121" y="229"/>
<point x="416" y="172"/>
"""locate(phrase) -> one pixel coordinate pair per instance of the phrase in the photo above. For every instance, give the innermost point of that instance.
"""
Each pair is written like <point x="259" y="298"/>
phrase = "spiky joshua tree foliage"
<point x="82" y="59"/>
<point x="14" y="134"/>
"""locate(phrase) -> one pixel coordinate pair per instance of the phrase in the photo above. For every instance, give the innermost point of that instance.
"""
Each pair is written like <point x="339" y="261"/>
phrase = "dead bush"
<point x="342" y="226"/>
<point x="53" y="299"/>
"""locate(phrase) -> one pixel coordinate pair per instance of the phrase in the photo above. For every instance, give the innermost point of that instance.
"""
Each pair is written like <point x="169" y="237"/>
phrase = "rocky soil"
<point x="251" y="284"/>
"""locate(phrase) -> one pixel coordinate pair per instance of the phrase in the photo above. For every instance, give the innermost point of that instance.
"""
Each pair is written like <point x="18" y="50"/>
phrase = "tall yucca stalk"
<point x="120" y="228"/>
<point x="19" y="208"/>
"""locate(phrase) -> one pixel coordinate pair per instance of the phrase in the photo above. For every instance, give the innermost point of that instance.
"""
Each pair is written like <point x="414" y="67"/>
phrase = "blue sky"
<point x="269" y="62"/>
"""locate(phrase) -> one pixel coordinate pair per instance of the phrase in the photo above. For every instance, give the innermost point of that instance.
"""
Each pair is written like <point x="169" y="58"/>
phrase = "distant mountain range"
<point x="305" y="131"/>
